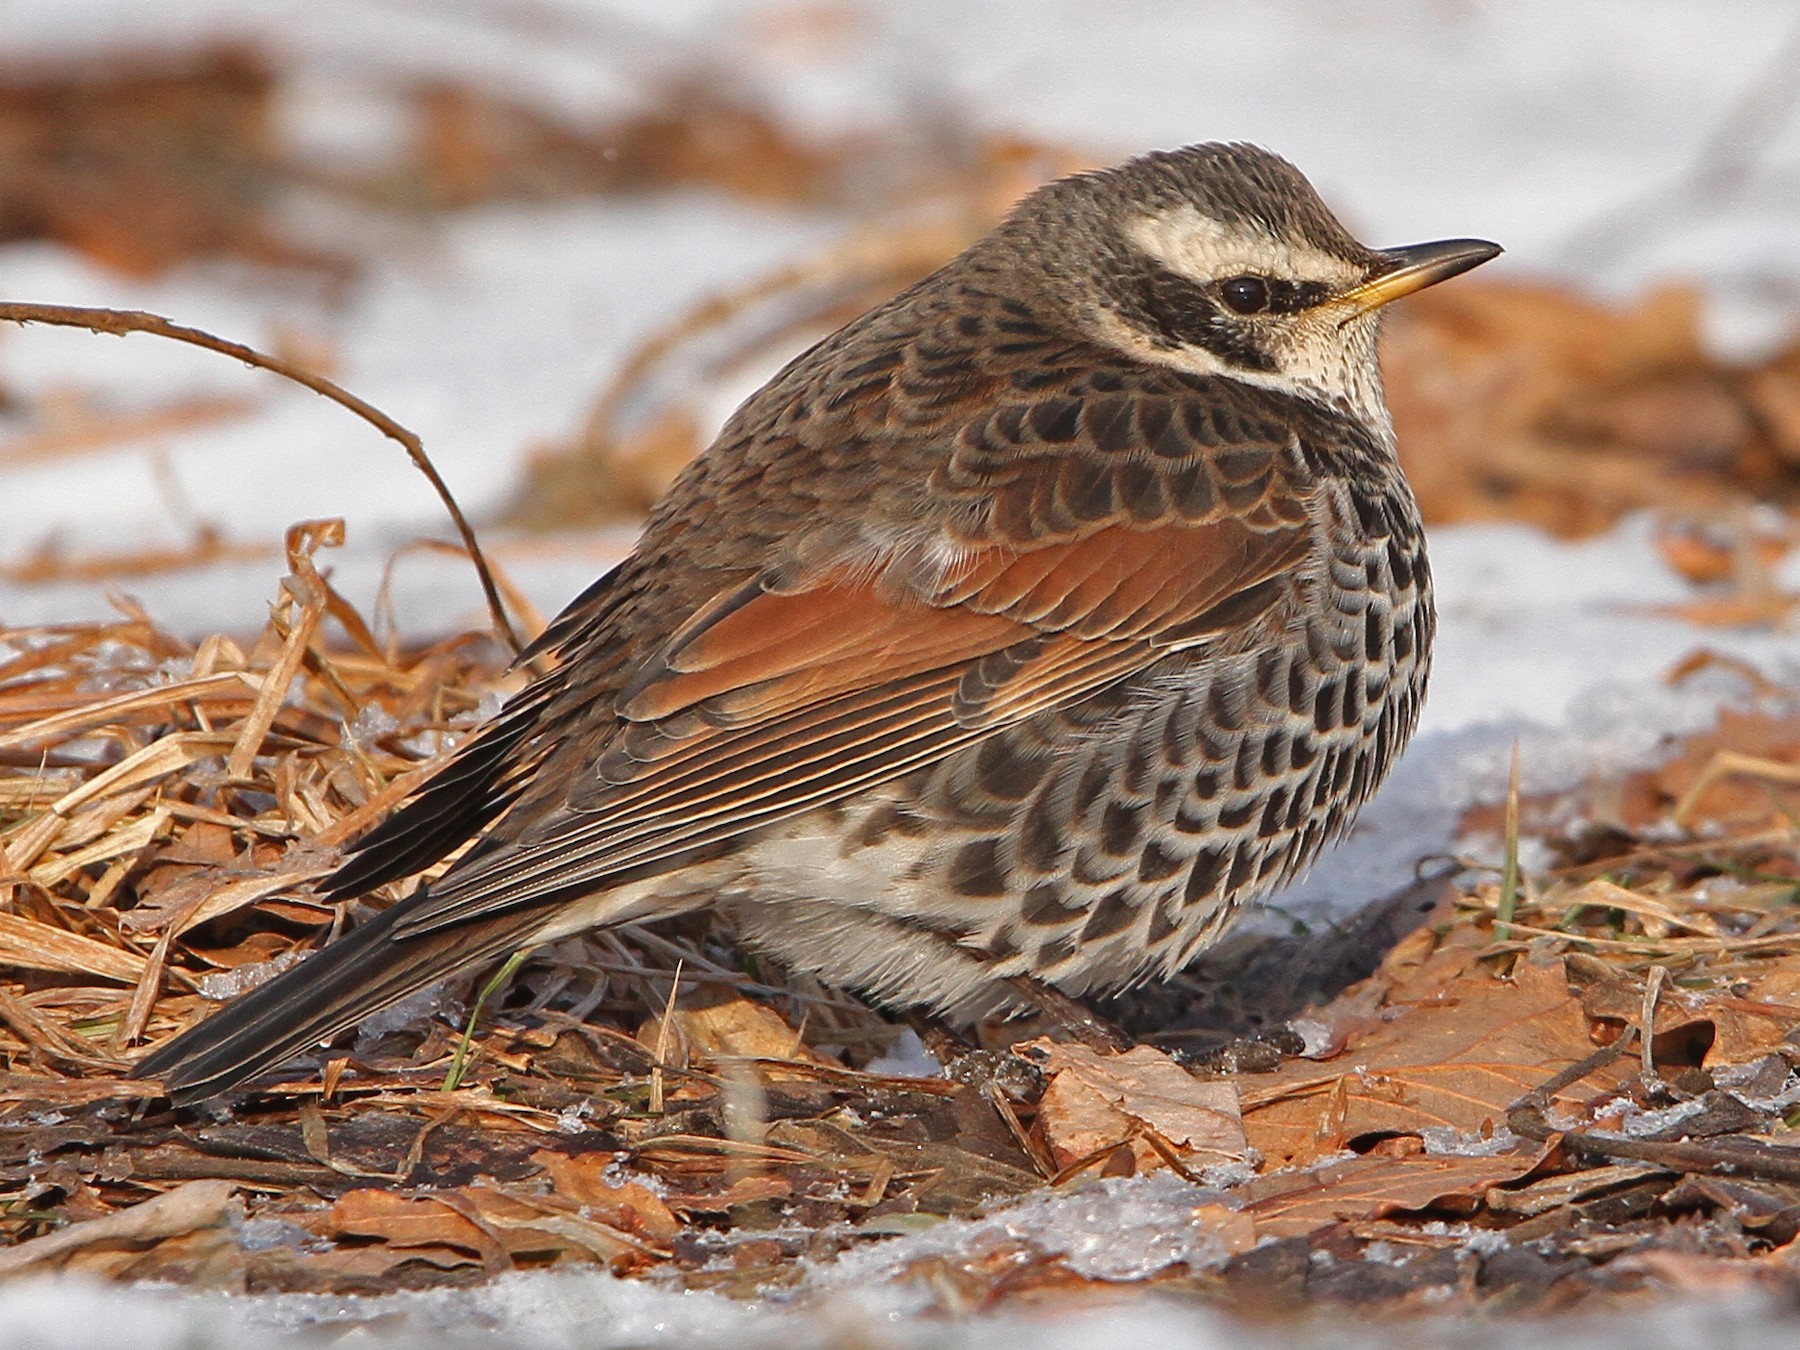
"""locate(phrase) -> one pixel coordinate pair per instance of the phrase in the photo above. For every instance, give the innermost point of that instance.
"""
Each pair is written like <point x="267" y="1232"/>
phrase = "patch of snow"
<point x="1222" y="1176"/>
<point x="907" y="1057"/>
<point x="1444" y="1142"/>
<point x="1486" y="1241"/>
<point x="1637" y="1124"/>
<point x="1316" y="1039"/>
<point x="1734" y="1077"/>
<point x="265" y="1233"/>
<point x="573" y="1118"/>
<point x="372" y="723"/>
<point x="1789" y="1096"/>
<point x="1115" y="1228"/>
<point x="430" y="1002"/>
<point x="595" y="1311"/>
<point x="224" y="985"/>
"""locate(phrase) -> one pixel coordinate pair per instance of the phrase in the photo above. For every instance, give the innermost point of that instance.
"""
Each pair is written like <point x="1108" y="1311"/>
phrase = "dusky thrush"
<point x="1025" y="627"/>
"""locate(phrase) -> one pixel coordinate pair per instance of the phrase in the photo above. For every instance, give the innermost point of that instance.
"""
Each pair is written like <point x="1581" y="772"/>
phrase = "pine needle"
<point x="1509" y="867"/>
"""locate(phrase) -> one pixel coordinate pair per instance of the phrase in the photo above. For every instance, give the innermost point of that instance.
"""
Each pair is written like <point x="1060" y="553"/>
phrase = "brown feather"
<point x="781" y="702"/>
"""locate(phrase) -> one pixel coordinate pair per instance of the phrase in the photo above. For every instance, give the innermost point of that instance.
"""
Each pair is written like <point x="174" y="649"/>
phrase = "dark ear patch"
<point x="1176" y="312"/>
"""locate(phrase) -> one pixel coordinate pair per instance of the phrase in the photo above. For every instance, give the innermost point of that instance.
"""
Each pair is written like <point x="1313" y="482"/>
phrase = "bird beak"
<point x="1402" y="271"/>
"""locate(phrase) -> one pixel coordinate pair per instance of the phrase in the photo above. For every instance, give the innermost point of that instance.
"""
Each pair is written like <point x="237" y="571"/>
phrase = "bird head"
<point x="1221" y="259"/>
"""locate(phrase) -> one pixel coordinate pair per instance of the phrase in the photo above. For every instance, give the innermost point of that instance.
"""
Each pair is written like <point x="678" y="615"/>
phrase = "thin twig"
<point x="1732" y="1156"/>
<point x="119" y="322"/>
<point x="1652" y="988"/>
<point x="1509" y="872"/>
<point x="1541" y="1095"/>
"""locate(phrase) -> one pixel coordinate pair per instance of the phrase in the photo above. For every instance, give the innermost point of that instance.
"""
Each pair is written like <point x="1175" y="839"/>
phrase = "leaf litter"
<point x="1605" y="1087"/>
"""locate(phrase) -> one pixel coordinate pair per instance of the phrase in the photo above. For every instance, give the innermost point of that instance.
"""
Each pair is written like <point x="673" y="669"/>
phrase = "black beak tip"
<point x="1483" y="250"/>
<point x="1445" y="258"/>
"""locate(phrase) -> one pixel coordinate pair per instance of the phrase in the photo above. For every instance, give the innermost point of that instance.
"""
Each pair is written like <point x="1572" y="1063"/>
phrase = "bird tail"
<point x="362" y="972"/>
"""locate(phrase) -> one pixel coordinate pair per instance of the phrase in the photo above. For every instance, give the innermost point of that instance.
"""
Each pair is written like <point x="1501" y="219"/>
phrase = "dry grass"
<point x="208" y="776"/>
<point x="164" y="807"/>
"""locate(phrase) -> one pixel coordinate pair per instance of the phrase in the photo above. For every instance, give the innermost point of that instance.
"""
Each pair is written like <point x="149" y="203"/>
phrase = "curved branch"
<point x="119" y="322"/>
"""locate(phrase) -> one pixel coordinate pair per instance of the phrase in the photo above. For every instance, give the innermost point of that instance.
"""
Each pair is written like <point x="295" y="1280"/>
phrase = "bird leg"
<point x="1079" y="1020"/>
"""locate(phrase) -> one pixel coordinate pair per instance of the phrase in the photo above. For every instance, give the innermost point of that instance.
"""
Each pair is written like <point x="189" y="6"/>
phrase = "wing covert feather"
<point x="778" y="698"/>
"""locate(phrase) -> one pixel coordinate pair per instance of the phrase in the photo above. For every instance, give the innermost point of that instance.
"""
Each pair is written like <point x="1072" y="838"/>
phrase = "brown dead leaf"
<point x="534" y="1225"/>
<point x="1235" y="1227"/>
<point x="1750" y="1017"/>
<point x="70" y="427"/>
<point x="1093" y="1101"/>
<point x="207" y="1258"/>
<point x="1710" y="553"/>
<point x="1290" y="1204"/>
<point x="145" y="160"/>
<point x="629" y="1206"/>
<point x="374" y="1269"/>
<point x="185" y="1209"/>
<point x="1697" y="1273"/>
<point x="1534" y="403"/>
<point x="473" y="146"/>
<point x="416" y="1222"/>
<point x="1701" y="780"/>
<point x="1754" y="1016"/>
<point x="747" y="1189"/>
<point x="1451" y="1056"/>
<point x="1553" y="1192"/>
<point x="732" y="1028"/>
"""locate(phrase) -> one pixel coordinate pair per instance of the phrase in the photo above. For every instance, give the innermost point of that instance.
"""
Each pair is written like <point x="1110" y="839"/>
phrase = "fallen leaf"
<point x="185" y="1209"/>
<point x="1553" y="1192"/>
<point x="416" y="1221"/>
<point x="1754" y="1016"/>
<point x="730" y="1028"/>
<point x="1454" y="1058"/>
<point x="1290" y="1204"/>
<point x="1094" y="1101"/>
<point x="1236" y="1229"/>
<point x="748" y="1189"/>
<point x="629" y="1206"/>
<point x="532" y="1225"/>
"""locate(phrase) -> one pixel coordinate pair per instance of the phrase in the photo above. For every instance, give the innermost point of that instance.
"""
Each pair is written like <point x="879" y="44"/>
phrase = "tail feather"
<point x="364" y="971"/>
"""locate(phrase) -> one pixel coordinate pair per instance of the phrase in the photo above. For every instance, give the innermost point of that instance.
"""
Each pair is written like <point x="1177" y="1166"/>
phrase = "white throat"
<point x="1338" y="367"/>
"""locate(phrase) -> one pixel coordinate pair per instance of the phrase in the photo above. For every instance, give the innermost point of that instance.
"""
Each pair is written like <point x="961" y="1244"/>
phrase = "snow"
<point x="563" y="1311"/>
<point x="1442" y="1141"/>
<point x="1533" y="122"/>
<point x="1119" y="1228"/>
<point x="429" y="1002"/>
<point x="906" y="1058"/>
<point x="224" y="985"/>
<point x="1638" y="1124"/>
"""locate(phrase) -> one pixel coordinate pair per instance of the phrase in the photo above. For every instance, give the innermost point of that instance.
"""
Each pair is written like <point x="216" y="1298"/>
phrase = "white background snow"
<point x="1542" y="124"/>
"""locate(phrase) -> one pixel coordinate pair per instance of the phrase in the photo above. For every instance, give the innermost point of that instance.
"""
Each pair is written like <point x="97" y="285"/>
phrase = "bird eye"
<point x="1245" y="295"/>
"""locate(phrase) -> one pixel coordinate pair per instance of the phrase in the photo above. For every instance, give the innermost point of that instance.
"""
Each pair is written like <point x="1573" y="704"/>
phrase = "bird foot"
<point x="1080" y="1021"/>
